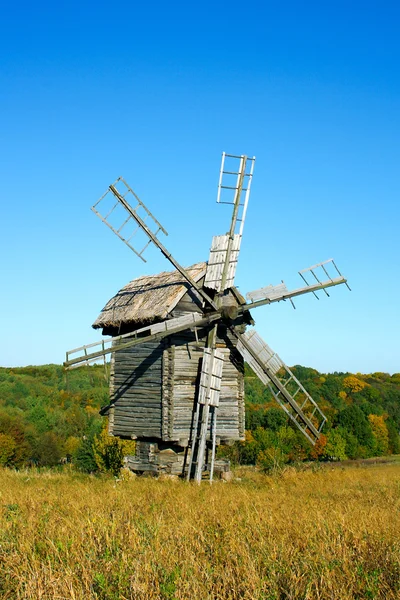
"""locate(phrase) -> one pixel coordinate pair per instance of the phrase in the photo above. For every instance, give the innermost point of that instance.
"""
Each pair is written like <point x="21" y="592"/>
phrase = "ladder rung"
<point x="230" y="187"/>
<point x="234" y="173"/>
<point x="304" y="403"/>
<point x="288" y="380"/>
<point x="109" y="213"/>
<point x="124" y="223"/>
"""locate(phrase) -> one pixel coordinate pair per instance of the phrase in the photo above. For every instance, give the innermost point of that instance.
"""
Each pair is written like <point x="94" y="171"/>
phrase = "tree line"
<point x="47" y="419"/>
<point x="363" y="419"/>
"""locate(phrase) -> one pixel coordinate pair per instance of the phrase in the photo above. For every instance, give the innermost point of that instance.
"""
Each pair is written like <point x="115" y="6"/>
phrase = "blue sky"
<point x="155" y="92"/>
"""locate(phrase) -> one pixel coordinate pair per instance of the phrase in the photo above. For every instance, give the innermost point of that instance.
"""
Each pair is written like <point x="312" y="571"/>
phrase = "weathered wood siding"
<point x="153" y="386"/>
<point x="185" y="380"/>
<point x="136" y="387"/>
<point x="183" y="383"/>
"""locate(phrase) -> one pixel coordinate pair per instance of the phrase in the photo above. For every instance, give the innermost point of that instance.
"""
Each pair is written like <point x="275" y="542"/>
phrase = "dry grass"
<point x="327" y="534"/>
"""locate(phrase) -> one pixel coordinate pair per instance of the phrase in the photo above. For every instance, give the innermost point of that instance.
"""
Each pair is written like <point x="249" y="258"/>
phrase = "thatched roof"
<point x="147" y="299"/>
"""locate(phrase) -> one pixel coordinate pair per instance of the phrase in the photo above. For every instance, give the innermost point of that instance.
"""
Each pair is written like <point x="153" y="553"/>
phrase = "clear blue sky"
<point x="155" y="92"/>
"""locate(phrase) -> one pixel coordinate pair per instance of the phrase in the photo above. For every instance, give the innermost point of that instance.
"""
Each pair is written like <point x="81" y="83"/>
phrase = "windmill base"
<point x="157" y="458"/>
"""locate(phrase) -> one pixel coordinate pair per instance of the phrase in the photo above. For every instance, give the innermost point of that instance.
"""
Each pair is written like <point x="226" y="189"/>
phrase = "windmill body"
<point x="179" y="341"/>
<point x="153" y="386"/>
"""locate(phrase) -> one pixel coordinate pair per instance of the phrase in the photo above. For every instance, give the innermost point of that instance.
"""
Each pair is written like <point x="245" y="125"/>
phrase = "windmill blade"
<point x="211" y="375"/>
<point x="224" y="254"/>
<point x="224" y="251"/>
<point x="237" y="179"/>
<point x="277" y="293"/>
<point x="126" y="226"/>
<point x="133" y="216"/>
<point x="285" y="387"/>
<point x="208" y="397"/>
<point x="87" y="354"/>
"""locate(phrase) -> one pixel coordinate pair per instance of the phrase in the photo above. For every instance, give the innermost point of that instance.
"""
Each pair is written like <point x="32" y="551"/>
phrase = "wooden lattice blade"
<point x="87" y="354"/>
<point x="146" y="230"/>
<point x="124" y="213"/>
<point x="287" y="295"/>
<point x="285" y="387"/>
<point x="276" y="293"/>
<point x="211" y="375"/>
<point x="217" y="259"/>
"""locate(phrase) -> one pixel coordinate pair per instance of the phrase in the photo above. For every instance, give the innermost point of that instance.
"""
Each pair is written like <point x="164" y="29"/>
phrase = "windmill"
<point x="179" y="339"/>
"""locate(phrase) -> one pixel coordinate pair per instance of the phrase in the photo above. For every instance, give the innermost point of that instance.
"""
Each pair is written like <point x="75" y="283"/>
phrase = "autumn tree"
<point x="380" y="433"/>
<point x="109" y="451"/>
<point x="354" y="384"/>
<point x="7" y="449"/>
<point x="335" y="446"/>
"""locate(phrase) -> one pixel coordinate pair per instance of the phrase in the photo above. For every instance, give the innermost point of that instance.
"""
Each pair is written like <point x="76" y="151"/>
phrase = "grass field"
<point x="330" y="533"/>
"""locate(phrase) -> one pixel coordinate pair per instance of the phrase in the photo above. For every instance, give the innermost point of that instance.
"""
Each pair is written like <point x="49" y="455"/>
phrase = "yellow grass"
<point x="326" y="534"/>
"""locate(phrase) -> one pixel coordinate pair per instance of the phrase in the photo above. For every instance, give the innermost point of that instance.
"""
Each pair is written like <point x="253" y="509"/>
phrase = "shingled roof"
<point x="147" y="299"/>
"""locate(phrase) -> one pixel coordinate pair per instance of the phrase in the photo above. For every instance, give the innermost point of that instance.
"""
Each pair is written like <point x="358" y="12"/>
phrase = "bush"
<point x="108" y="452"/>
<point x="85" y="460"/>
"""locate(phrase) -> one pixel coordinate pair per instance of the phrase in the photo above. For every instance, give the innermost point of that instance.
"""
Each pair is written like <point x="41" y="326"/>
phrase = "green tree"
<point x="354" y="420"/>
<point x="85" y="460"/>
<point x="7" y="450"/>
<point x="274" y="418"/>
<point x="48" y="451"/>
<point x="352" y="444"/>
<point x="335" y="447"/>
<point x="394" y="438"/>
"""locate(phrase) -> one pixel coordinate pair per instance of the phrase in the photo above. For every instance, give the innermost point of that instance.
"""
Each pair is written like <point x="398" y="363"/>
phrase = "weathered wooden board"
<point x="137" y="391"/>
<point x="185" y="385"/>
<point x="216" y="261"/>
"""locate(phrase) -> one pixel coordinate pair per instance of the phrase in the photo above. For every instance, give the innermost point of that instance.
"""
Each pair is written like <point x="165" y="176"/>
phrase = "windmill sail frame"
<point x="289" y="393"/>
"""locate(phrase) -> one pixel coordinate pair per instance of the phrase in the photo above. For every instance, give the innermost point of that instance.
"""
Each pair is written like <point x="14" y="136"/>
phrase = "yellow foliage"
<point x="354" y="384"/>
<point x="109" y="451"/>
<point x="128" y="447"/>
<point x="248" y="436"/>
<point x="380" y="432"/>
<point x="71" y="445"/>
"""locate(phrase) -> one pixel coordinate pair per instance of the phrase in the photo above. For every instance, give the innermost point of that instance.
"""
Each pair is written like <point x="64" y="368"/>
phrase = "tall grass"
<point x="331" y="534"/>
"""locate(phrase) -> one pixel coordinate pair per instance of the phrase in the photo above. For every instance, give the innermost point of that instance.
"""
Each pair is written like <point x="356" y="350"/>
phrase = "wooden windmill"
<point x="179" y="341"/>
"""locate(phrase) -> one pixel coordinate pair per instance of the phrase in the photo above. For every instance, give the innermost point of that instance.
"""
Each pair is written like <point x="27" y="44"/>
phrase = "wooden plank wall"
<point x="229" y="416"/>
<point x="185" y="378"/>
<point x="137" y="391"/>
<point x="111" y="385"/>
<point x="153" y="386"/>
